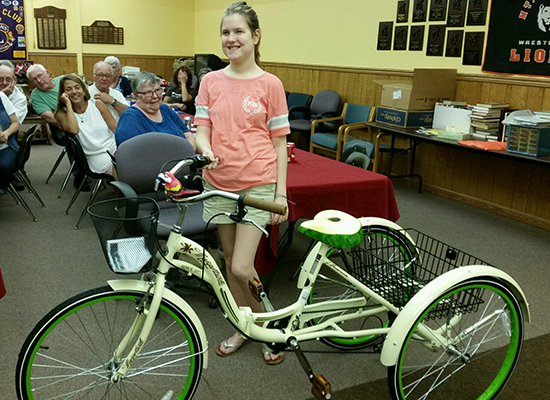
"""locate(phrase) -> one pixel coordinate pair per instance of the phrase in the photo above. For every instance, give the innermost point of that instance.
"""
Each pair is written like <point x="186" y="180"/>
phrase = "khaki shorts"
<point x="215" y="205"/>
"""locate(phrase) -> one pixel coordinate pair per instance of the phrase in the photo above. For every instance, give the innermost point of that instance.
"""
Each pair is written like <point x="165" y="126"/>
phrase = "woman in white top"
<point x="90" y="121"/>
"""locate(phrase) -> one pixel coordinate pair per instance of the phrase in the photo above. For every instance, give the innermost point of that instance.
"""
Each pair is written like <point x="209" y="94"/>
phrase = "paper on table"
<point x="128" y="255"/>
<point x="525" y="117"/>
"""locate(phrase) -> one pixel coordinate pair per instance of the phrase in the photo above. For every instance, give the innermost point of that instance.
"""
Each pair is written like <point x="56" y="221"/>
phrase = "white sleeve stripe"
<point x="279" y="121"/>
<point x="202" y="112"/>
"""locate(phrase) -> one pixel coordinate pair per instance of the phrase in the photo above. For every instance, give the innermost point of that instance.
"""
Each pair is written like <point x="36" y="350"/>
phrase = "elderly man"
<point x="101" y="90"/>
<point x="15" y="95"/>
<point x="120" y="83"/>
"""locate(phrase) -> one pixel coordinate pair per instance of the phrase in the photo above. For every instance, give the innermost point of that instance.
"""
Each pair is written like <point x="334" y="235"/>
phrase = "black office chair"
<point x="23" y="156"/>
<point x="324" y="104"/>
<point x="296" y="99"/>
<point x="74" y="148"/>
<point x="358" y="153"/>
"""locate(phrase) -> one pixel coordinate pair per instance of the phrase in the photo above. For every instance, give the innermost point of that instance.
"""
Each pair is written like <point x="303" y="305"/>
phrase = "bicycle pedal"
<point x="256" y="289"/>
<point x="321" y="388"/>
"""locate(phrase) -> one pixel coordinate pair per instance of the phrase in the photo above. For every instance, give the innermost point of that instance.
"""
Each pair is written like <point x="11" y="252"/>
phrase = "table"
<point x="316" y="183"/>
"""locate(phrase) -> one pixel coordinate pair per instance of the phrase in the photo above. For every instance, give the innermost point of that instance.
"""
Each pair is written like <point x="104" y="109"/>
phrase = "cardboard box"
<point x="429" y="86"/>
<point x="445" y="117"/>
<point x="404" y="118"/>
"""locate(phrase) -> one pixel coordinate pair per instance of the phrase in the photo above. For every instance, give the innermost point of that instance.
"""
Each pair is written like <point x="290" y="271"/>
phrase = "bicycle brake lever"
<point x="229" y="215"/>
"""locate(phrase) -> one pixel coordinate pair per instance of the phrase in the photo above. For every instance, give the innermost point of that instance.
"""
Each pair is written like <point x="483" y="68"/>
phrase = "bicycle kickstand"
<point x="321" y="388"/>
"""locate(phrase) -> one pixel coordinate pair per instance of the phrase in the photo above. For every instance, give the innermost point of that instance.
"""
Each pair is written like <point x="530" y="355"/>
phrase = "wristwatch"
<point x="114" y="102"/>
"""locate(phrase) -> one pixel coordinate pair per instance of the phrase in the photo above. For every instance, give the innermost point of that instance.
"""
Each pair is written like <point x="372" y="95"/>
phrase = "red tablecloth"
<point x="316" y="183"/>
<point x="2" y="287"/>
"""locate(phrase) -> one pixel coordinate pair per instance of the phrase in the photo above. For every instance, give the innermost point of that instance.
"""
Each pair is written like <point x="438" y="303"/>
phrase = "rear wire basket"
<point x="127" y="232"/>
<point x="399" y="278"/>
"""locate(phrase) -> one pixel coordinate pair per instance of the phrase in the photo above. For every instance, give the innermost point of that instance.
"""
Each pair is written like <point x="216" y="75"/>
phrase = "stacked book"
<point x="486" y="119"/>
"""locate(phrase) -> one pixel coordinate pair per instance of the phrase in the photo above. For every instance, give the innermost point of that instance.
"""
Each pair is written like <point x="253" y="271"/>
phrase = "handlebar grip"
<point x="265" y="205"/>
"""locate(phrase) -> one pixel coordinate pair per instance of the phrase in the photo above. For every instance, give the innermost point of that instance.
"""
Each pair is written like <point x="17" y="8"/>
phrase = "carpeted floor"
<point x="45" y="262"/>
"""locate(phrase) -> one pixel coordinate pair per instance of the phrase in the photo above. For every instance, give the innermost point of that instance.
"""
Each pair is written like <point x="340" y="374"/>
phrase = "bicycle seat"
<point x="335" y="228"/>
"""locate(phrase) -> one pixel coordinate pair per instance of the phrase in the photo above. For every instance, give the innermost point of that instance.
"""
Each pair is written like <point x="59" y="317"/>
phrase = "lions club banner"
<point x="518" y="39"/>
<point x="12" y="30"/>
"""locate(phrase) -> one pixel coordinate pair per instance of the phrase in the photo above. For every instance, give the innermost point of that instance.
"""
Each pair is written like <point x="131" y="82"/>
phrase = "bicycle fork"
<point x="143" y="324"/>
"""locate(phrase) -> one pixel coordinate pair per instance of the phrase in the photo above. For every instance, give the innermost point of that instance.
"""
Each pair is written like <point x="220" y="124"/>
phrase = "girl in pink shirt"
<point x="242" y="123"/>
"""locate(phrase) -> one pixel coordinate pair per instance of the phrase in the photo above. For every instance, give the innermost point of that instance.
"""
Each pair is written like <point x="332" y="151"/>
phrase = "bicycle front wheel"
<point x="479" y="326"/>
<point x="380" y="245"/>
<point x="69" y="352"/>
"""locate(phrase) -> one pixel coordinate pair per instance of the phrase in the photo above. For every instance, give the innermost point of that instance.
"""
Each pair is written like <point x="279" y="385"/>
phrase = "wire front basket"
<point x="127" y="231"/>
<point x="397" y="267"/>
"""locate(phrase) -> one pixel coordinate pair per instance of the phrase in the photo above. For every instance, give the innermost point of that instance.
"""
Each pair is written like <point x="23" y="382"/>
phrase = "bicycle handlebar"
<point x="265" y="205"/>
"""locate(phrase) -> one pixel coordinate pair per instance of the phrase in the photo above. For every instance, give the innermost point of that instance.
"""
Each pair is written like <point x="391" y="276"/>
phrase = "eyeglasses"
<point x="149" y="94"/>
<point x="38" y="76"/>
<point x="101" y="76"/>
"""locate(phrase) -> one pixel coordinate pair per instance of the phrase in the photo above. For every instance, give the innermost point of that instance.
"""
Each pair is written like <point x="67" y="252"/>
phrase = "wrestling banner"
<point x="518" y="40"/>
<point x="13" y="45"/>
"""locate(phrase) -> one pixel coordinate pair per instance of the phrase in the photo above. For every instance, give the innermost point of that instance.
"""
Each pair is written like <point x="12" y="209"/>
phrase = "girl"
<point x="242" y="123"/>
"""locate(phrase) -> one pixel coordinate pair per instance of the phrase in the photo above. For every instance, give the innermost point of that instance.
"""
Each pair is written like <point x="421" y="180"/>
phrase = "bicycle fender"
<point x="427" y="295"/>
<point x="128" y="284"/>
<point x="375" y="221"/>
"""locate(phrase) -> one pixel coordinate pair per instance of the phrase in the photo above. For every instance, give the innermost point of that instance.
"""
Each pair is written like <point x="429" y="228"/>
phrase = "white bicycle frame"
<point x="245" y="321"/>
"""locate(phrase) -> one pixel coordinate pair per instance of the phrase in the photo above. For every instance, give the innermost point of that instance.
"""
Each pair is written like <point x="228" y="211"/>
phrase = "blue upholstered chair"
<point x="295" y="101"/>
<point x="353" y="117"/>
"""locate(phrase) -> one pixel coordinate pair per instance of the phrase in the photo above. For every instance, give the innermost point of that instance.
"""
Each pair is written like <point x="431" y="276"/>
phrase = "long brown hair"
<point x="76" y="79"/>
<point x="185" y="69"/>
<point x="251" y="18"/>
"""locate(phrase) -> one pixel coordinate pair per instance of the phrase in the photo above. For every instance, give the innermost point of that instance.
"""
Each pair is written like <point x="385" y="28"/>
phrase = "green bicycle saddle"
<point x="335" y="228"/>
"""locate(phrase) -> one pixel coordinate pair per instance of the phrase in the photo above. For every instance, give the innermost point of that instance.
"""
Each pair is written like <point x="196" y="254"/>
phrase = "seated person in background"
<point x="203" y="72"/>
<point x="15" y="95"/>
<point x="181" y="95"/>
<point x="9" y="126"/>
<point x="102" y="90"/>
<point x="149" y="114"/>
<point x="120" y="83"/>
<point x="44" y="96"/>
<point x="89" y="120"/>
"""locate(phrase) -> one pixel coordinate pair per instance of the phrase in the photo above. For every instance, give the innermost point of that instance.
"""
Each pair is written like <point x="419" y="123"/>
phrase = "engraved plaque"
<point x="400" y="39"/>
<point x="385" y="30"/>
<point x="416" y="42"/>
<point x="436" y="40"/>
<point x="457" y="12"/>
<point x="402" y="11"/>
<point x="438" y="10"/>
<point x="419" y="10"/>
<point x="50" y="27"/>
<point x="477" y="12"/>
<point x="454" y="43"/>
<point x="473" y="48"/>
<point x="102" y="32"/>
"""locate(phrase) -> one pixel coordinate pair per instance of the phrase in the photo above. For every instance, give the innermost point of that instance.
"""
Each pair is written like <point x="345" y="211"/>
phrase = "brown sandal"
<point x="229" y="346"/>
<point x="266" y="351"/>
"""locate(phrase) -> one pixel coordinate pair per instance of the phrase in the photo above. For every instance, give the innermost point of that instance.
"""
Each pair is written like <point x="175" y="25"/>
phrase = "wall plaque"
<point x="438" y="10"/>
<point x="50" y="27"/>
<point x="402" y="11"/>
<point x="457" y="12"/>
<point x="400" y="39"/>
<point x="473" y="48"/>
<point x="102" y="32"/>
<point x="419" y="10"/>
<point x="454" y="43"/>
<point x="477" y="12"/>
<point x="436" y="40"/>
<point x="385" y="30"/>
<point x="416" y="42"/>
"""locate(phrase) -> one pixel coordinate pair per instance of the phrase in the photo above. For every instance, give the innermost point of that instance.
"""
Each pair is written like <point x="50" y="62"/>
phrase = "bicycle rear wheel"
<point x="69" y="352"/>
<point x="481" y="323"/>
<point x="379" y="242"/>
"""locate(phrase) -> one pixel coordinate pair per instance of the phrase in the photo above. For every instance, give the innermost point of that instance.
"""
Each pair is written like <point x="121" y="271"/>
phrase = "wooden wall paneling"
<point x="545" y="105"/>
<point x="521" y="195"/>
<point x="484" y="188"/>
<point x="461" y="165"/>
<point x="504" y="182"/>
<point x="56" y="63"/>
<point x="543" y="206"/>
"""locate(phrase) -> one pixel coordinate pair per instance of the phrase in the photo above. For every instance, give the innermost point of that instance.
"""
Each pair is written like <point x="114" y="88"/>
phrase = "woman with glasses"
<point x="89" y="120"/>
<point x="149" y="114"/>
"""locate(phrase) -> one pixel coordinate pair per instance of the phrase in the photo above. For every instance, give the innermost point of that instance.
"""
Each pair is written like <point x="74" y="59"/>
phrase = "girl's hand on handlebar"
<point x="277" y="219"/>
<point x="214" y="160"/>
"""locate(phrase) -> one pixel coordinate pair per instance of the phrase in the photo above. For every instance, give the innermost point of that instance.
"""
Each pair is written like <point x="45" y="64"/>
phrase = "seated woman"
<point x="181" y="95"/>
<point x="9" y="126"/>
<point x="90" y="120"/>
<point x="149" y="114"/>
